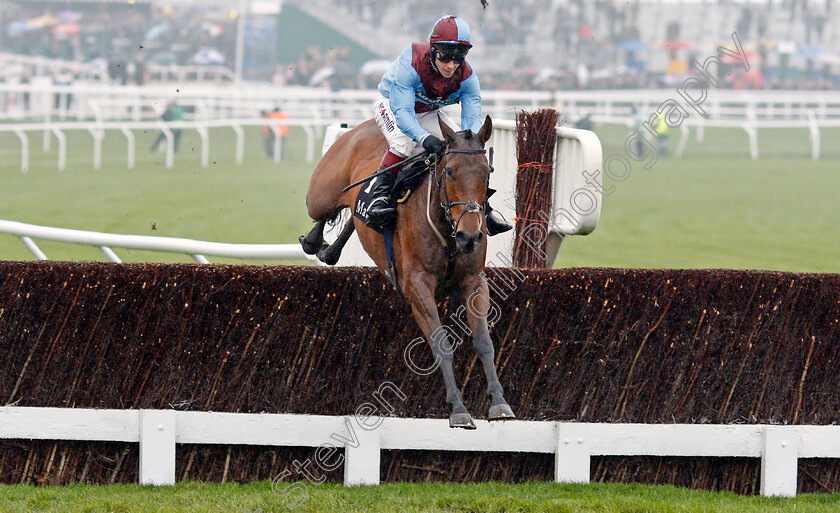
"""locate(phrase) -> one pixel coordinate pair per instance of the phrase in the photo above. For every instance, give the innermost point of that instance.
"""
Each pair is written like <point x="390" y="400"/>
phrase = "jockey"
<point x="424" y="78"/>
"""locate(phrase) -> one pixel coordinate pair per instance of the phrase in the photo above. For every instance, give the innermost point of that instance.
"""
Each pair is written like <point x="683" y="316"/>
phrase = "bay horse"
<point x="439" y="242"/>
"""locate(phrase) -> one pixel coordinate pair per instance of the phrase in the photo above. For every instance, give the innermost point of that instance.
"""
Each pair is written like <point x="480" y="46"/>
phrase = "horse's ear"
<point x="447" y="132"/>
<point x="486" y="130"/>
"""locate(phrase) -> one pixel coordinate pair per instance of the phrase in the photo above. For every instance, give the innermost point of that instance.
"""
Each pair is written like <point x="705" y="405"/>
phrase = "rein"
<point x="386" y="170"/>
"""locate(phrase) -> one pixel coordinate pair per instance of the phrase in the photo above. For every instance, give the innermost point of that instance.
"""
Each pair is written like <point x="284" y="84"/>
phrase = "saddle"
<point x="409" y="177"/>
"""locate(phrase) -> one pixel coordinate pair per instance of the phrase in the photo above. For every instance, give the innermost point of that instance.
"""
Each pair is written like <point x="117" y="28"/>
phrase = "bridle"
<point x="470" y="206"/>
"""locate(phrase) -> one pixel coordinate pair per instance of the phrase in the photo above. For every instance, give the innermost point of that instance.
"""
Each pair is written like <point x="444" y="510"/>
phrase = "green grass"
<point x="398" y="497"/>
<point x="714" y="208"/>
<point x="394" y="497"/>
<point x="256" y="202"/>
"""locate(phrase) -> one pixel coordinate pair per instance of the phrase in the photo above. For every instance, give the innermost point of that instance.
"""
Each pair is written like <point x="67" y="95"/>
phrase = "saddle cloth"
<point x="408" y="179"/>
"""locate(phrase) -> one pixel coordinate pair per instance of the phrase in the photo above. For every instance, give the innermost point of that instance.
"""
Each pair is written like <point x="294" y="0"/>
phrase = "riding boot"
<point x="496" y="224"/>
<point x="382" y="212"/>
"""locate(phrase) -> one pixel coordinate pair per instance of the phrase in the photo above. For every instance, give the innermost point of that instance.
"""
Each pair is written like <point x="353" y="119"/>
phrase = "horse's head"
<point x="462" y="177"/>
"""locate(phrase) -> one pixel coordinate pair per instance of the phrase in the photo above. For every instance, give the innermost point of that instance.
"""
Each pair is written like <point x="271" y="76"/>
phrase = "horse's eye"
<point x="450" y="173"/>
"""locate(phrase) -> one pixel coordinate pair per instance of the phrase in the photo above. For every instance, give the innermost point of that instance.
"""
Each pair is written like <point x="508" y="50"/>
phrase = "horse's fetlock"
<point x="496" y="394"/>
<point x="458" y="408"/>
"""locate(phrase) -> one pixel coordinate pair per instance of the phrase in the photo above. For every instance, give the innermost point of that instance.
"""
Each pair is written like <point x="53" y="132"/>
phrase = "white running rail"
<point x="363" y="438"/>
<point x="97" y="131"/>
<point x="105" y="241"/>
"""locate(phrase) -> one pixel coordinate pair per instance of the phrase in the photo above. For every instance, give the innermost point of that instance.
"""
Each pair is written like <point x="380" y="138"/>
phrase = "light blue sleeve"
<point x="471" y="104"/>
<point x="398" y="85"/>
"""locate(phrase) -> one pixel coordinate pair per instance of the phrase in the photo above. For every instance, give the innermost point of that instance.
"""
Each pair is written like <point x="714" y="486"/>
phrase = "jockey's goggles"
<point x="450" y="52"/>
<point x="448" y="57"/>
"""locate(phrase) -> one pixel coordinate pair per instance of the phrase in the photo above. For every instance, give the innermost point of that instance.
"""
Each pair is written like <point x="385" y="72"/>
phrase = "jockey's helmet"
<point x="451" y="37"/>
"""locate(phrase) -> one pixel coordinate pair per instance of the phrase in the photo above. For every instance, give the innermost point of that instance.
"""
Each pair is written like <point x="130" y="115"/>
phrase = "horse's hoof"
<point x="501" y="412"/>
<point x="328" y="257"/>
<point x="461" y="420"/>
<point x="308" y="247"/>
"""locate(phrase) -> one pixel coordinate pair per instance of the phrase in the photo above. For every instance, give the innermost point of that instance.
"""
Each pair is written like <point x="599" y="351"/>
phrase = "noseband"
<point x="471" y="206"/>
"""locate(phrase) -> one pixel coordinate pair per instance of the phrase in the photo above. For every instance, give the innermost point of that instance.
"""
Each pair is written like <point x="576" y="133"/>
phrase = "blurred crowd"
<point x="613" y="44"/>
<point x="117" y="38"/>
<point x="543" y="44"/>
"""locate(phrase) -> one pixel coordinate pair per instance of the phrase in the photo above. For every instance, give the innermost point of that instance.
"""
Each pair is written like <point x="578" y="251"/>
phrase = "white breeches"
<point x="398" y="141"/>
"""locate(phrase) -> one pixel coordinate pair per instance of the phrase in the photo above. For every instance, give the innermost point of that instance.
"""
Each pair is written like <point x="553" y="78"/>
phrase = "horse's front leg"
<point x="419" y="289"/>
<point x="475" y="296"/>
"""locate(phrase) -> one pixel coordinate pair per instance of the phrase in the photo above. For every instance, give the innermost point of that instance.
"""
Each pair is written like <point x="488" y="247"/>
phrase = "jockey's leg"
<point x="382" y="210"/>
<point x="496" y="223"/>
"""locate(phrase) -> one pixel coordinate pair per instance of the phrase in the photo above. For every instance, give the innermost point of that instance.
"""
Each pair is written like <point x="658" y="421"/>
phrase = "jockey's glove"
<point x="434" y="145"/>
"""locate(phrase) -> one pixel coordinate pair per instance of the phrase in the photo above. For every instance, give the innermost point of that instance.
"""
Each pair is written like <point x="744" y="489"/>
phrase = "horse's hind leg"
<point x="314" y="240"/>
<point x="476" y="295"/>
<point x="330" y="254"/>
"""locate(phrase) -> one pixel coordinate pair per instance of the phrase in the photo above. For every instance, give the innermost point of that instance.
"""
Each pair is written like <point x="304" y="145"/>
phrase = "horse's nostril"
<point x="478" y="237"/>
<point x="461" y="237"/>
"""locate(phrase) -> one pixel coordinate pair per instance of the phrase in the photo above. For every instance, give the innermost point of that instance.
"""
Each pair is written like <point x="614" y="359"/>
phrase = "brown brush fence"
<point x="536" y="135"/>
<point x="594" y="345"/>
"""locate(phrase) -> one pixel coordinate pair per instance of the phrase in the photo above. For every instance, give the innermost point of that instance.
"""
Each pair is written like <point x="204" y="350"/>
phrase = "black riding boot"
<point x="496" y="224"/>
<point x="382" y="212"/>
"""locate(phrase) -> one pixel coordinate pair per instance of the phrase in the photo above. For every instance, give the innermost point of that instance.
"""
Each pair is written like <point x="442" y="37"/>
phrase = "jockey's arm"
<point x="471" y="104"/>
<point x="405" y="82"/>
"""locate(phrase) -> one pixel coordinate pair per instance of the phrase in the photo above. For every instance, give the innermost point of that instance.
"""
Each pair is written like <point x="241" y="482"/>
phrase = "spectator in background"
<point x="24" y="80"/>
<point x="117" y="70"/>
<point x="662" y="129"/>
<point x="585" y="123"/>
<point x="171" y="115"/>
<point x="269" y="132"/>
<point x="139" y="71"/>
<point x="344" y="72"/>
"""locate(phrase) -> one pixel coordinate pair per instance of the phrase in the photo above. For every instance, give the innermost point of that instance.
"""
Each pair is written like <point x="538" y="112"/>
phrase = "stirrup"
<point x="381" y="217"/>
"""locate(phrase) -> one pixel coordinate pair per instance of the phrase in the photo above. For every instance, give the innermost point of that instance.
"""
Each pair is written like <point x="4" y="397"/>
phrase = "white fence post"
<point x="157" y="447"/>
<point x="779" y="461"/>
<point x="361" y="463"/>
<point x="571" y="461"/>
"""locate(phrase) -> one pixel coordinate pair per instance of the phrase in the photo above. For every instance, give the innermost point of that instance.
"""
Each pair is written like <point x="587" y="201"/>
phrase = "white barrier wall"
<point x="577" y="194"/>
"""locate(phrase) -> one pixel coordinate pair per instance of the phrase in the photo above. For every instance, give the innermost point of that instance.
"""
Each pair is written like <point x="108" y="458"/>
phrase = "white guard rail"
<point x="105" y="241"/>
<point x="224" y="101"/>
<point x="97" y="131"/>
<point x="573" y="444"/>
